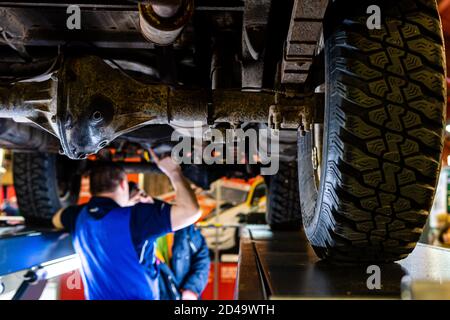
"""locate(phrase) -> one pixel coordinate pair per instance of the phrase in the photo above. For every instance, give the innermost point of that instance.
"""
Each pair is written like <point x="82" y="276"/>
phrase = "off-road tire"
<point x="36" y="184"/>
<point x="384" y="125"/>
<point x="283" y="205"/>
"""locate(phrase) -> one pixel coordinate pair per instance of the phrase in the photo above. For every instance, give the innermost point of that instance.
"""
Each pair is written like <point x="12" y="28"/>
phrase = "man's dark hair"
<point x="106" y="177"/>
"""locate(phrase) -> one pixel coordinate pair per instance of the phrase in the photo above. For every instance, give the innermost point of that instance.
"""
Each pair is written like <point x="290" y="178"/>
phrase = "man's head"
<point x="110" y="180"/>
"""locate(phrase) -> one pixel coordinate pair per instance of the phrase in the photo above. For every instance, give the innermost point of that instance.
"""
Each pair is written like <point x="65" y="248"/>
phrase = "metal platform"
<point x="28" y="258"/>
<point x="283" y="265"/>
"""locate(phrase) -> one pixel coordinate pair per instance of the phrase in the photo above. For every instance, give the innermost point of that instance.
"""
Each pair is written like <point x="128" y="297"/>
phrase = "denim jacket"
<point x="190" y="265"/>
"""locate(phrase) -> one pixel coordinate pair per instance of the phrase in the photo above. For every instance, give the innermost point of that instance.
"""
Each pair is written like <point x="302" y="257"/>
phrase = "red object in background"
<point x="7" y="193"/>
<point x="227" y="282"/>
<point x="85" y="195"/>
<point x="71" y="285"/>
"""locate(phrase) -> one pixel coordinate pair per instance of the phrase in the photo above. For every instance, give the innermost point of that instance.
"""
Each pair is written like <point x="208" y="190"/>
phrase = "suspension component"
<point x="87" y="104"/>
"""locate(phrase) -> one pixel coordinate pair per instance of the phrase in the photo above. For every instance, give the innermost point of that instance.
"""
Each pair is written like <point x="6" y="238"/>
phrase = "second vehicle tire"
<point x="283" y="205"/>
<point x="44" y="183"/>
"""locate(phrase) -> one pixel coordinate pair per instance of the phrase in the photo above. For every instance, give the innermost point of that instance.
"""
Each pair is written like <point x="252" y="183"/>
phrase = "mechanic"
<point x="110" y="236"/>
<point x="182" y="258"/>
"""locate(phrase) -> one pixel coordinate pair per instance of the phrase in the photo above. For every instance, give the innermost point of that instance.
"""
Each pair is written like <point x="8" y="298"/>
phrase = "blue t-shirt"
<point x="110" y="241"/>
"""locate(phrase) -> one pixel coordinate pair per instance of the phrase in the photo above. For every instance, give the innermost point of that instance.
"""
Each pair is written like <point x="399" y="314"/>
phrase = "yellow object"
<point x="164" y="246"/>
<point x="258" y="181"/>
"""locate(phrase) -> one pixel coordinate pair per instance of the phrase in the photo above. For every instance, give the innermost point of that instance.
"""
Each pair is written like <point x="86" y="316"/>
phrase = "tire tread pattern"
<point x="385" y="135"/>
<point x="35" y="183"/>
<point x="283" y="206"/>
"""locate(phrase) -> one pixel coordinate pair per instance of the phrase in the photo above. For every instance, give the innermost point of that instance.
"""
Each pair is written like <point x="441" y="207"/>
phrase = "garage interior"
<point x="361" y="190"/>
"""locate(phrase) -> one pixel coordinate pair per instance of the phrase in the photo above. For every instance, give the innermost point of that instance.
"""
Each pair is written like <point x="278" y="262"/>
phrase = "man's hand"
<point x="188" y="295"/>
<point x="186" y="210"/>
<point x="56" y="220"/>
<point x="140" y="197"/>
<point x="169" y="167"/>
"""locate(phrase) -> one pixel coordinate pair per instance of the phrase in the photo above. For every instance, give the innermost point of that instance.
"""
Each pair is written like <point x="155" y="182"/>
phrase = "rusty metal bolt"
<point x="103" y="144"/>
<point x="97" y="116"/>
<point x="275" y="117"/>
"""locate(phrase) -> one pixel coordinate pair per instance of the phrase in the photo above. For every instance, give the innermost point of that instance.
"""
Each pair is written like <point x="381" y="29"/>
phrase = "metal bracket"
<point x="35" y="280"/>
<point x="294" y="117"/>
<point x="30" y="258"/>
<point x="31" y="288"/>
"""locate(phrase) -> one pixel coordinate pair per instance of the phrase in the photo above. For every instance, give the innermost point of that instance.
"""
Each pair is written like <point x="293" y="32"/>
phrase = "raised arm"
<point x="185" y="211"/>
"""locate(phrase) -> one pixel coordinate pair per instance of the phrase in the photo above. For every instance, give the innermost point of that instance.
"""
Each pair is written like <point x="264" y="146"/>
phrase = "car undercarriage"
<point x="204" y="76"/>
<point x="358" y="111"/>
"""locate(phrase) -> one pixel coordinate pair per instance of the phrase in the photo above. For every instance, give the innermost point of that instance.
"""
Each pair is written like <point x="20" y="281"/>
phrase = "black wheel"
<point x="44" y="183"/>
<point x="385" y="97"/>
<point x="283" y="205"/>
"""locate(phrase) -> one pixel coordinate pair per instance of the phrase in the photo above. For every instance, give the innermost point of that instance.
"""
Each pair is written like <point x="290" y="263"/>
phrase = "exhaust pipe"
<point x="161" y="21"/>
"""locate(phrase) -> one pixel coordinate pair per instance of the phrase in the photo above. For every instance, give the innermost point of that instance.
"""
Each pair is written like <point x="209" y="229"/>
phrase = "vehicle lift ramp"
<point x="271" y="266"/>
<point x="29" y="258"/>
<point x="282" y="265"/>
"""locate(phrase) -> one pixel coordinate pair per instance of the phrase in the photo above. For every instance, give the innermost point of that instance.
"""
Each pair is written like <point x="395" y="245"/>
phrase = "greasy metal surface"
<point x="87" y="104"/>
<point x="30" y="102"/>
<point x="104" y="26"/>
<point x="107" y="24"/>
<point x="292" y="269"/>
<point x="27" y="99"/>
<point x="20" y="136"/>
<point x="96" y="104"/>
